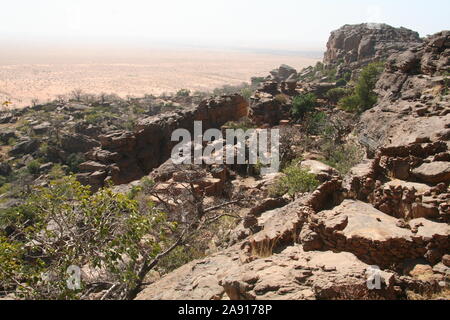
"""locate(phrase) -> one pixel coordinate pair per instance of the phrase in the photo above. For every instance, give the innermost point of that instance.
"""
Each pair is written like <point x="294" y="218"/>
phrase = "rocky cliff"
<point x="355" y="45"/>
<point x="392" y="210"/>
<point x="125" y="156"/>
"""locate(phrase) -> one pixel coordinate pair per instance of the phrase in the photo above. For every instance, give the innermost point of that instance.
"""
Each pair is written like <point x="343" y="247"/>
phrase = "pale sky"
<point x="293" y="24"/>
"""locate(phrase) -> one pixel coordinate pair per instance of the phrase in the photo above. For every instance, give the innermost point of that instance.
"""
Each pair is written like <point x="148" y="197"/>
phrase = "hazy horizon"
<point x="253" y="24"/>
<point x="50" y="47"/>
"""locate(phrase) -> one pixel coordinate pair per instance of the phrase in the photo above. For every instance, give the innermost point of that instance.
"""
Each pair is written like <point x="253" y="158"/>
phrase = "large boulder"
<point x="375" y="237"/>
<point x="24" y="147"/>
<point x="362" y="43"/>
<point x="433" y="172"/>
<point x="283" y="73"/>
<point x="77" y="143"/>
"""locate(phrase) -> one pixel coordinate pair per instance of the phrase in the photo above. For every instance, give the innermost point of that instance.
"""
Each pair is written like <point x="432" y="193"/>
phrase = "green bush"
<point x="341" y="157"/>
<point x="74" y="160"/>
<point x="350" y="103"/>
<point x="247" y="93"/>
<point x="3" y="181"/>
<point x="183" y="93"/>
<point x="315" y="123"/>
<point x="177" y="258"/>
<point x="341" y="83"/>
<point x="33" y="167"/>
<point x="363" y="97"/>
<point x="336" y="94"/>
<point x="282" y="98"/>
<point x="105" y="230"/>
<point x="303" y="104"/>
<point x="295" y="180"/>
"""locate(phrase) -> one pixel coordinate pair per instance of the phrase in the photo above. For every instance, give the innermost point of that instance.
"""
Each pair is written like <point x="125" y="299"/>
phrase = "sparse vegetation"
<point x="303" y="104"/>
<point x="363" y="97"/>
<point x="341" y="157"/>
<point x="103" y="231"/>
<point x="295" y="180"/>
<point x="336" y="94"/>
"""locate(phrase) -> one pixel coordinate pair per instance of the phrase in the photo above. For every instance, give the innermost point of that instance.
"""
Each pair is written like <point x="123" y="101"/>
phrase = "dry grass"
<point x="443" y="295"/>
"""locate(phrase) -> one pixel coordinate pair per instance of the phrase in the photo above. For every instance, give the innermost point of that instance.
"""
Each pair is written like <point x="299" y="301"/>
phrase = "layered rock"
<point x="356" y="45"/>
<point x="413" y="105"/>
<point x="130" y="155"/>
<point x="376" y="238"/>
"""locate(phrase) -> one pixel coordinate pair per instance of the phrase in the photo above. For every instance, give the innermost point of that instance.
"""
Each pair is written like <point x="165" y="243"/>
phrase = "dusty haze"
<point x="46" y="73"/>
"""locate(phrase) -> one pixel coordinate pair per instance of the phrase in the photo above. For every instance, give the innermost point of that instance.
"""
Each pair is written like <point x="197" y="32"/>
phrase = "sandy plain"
<point x="43" y="75"/>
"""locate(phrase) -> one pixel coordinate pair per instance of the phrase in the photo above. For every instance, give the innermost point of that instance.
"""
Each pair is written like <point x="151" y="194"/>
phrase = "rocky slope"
<point x="392" y="210"/>
<point x="126" y="156"/>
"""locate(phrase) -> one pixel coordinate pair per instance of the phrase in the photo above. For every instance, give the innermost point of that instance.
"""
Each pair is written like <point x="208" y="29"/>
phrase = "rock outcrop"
<point x="392" y="210"/>
<point x="413" y="105"/>
<point x="128" y="156"/>
<point x="356" y="45"/>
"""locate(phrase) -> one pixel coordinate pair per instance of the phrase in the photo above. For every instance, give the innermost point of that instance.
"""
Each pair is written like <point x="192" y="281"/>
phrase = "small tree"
<point x="65" y="225"/>
<point x="336" y="94"/>
<point x="303" y="104"/>
<point x="363" y="97"/>
<point x="295" y="180"/>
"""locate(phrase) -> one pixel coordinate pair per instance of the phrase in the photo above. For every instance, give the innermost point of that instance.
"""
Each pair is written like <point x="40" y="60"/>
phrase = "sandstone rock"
<point x="90" y="166"/>
<point x="357" y="227"/>
<point x="366" y="42"/>
<point x="283" y="73"/>
<point x="434" y="172"/>
<point x="134" y="154"/>
<point x="42" y="128"/>
<point x="322" y="171"/>
<point x="294" y="274"/>
<point x="446" y="260"/>
<point x="77" y="143"/>
<point x="24" y="147"/>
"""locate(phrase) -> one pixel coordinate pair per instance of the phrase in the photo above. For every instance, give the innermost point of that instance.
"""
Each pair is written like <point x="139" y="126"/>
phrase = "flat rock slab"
<point x="433" y="172"/>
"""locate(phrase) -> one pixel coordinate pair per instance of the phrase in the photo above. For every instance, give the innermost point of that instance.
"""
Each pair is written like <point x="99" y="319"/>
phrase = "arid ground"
<point x="42" y="76"/>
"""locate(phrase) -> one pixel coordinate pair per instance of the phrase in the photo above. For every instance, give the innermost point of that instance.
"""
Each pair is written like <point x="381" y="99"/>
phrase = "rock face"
<point x="357" y="227"/>
<point x="412" y="105"/>
<point x="392" y="210"/>
<point x="25" y="147"/>
<point x="130" y="155"/>
<point x="355" y="45"/>
<point x="283" y="73"/>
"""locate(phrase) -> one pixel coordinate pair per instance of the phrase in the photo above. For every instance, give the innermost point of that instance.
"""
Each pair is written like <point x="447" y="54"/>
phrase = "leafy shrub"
<point x="314" y="123"/>
<point x="12" y="141"/>
<point x="33" y="167"/>
<point x="350" y="103"/>
<point x="303" y="104"/>
<point x="177" y="258"/>
<point x="183" y="93"/>
<point x="104" y="230"/>
<point x="341" y="157"/>
<point x="294" y="181"/>
<point x="3" y="181"/>
<point x="74" y="160"/>
<point x="341" y="83"/>
<point x="281" y="98"/>
<point x="246" y="93"/>
<point x="336" y="94"/>
<point x="363" y="97"/>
